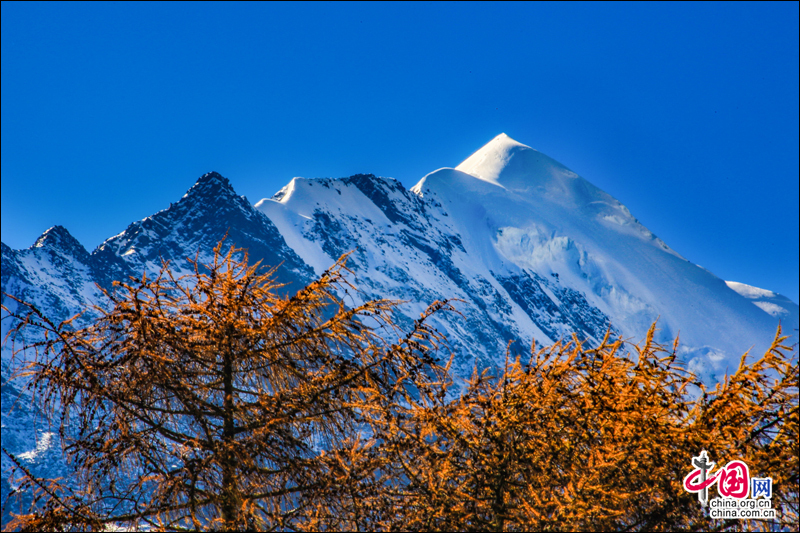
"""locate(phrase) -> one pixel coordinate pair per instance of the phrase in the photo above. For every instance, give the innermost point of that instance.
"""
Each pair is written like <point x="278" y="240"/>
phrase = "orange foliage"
<point x="592" y="439"/>
<point x="208" y="402"/>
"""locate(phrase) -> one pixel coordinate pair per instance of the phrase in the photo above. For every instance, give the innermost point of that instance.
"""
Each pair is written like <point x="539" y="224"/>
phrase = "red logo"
<point x="733" y="481"/>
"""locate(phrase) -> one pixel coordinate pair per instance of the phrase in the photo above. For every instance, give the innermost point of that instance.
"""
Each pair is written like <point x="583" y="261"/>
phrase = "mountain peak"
<point x="503" y="140"/>
<point x="213" y="177"/>
<point x="489" y="162"/>
<point x="59" y="238"/>
<point x="518" y="167"/>
<point x="211" y="185"/>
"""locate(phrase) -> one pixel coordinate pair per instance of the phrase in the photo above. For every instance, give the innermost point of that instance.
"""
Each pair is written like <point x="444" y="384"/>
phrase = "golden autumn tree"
<point x="582" y="439"/>
<point x="207" y="401"/>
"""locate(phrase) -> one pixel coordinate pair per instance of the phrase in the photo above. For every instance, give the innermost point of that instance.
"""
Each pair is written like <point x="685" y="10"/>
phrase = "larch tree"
<point x="207" y="401"/>
<point x="575" y="438"/>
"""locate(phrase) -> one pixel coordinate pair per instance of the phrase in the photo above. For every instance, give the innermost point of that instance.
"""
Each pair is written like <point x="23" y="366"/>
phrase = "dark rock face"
<point x="58" y="273"/>
<point x="210" y="210"/>
<point x="569" y="308"/>
<point x="55" y="274"/>
<point x="58" y="240"/>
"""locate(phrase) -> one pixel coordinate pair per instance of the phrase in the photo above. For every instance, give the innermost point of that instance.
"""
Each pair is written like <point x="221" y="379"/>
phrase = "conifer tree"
<point x="207" y="401"/>
<point x="582" y="439"/>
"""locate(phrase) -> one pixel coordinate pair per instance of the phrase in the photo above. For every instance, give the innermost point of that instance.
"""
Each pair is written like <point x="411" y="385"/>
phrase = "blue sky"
<point x="687" y="113"/>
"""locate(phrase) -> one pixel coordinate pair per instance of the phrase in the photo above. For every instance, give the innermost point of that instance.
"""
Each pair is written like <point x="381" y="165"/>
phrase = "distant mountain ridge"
<point x="533" y="250"/>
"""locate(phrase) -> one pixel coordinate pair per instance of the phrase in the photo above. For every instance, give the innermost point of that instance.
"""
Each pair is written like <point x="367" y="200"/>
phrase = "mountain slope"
<point x="406" y="247"/>
<point x="541" y="217"/>
<point x="532" y="251"/>
<point x="209" y="210"/>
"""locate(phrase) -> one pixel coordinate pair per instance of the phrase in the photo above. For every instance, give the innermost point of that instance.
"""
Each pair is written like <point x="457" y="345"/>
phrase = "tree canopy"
<point x="207" y="401"/>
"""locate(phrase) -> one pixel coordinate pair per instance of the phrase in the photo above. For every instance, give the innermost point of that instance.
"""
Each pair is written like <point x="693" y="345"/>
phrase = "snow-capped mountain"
<point x="533" y="250"/>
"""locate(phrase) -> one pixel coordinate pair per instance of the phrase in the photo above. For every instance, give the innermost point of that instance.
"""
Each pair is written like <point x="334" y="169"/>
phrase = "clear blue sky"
<point x="687" y="113"/>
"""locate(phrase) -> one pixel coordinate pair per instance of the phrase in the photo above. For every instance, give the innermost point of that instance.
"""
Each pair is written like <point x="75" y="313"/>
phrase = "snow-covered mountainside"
<point x="533" y="250"/>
